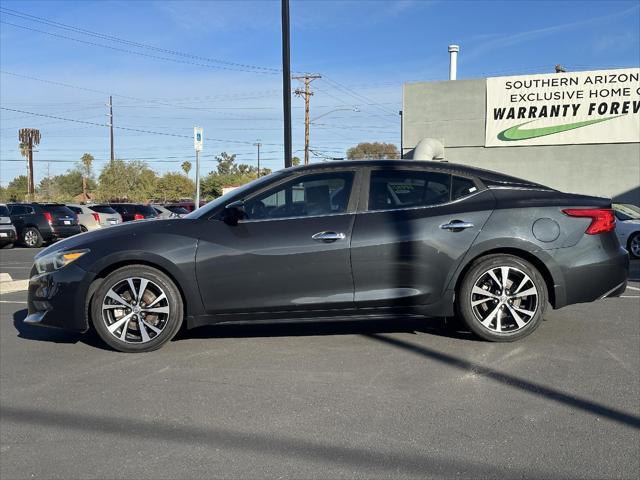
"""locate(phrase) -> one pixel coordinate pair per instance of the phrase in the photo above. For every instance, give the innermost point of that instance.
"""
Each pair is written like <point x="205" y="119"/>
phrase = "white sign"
<point x="198" y="139"/>
<point x="564" y="108"/>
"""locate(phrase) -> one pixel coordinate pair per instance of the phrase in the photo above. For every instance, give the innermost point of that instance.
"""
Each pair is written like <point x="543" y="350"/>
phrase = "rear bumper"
<point x="64" y="232"/>
<point x="7" y="234"/>
<point x="58" y="299"/>
<point x="590" y="273"/>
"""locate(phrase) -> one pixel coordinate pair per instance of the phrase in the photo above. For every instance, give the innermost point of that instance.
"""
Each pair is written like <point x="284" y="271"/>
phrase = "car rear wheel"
<point x="137" y="309"/>
<point x="31" y="237"/>
<point x="502" y="298"/>
<point x="634" y="245"/>
<point x="83" y="229"/>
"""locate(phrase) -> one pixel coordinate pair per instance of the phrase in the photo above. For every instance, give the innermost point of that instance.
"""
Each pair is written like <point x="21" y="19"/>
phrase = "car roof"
<point x="487" y="176"/>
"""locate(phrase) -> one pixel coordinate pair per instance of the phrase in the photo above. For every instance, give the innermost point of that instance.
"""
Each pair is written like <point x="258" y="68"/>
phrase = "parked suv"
<point x="38" y="223"/>
<point x="91" y="217"/>
<point x="7" y="230"/>
<point x="134" y="211"/>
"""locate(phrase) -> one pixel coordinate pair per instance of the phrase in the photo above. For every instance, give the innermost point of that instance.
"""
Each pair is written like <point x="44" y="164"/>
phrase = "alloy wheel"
<point x="30" y="238"/>
<point x="135" y="310"/>
<point x="504" y="299"/>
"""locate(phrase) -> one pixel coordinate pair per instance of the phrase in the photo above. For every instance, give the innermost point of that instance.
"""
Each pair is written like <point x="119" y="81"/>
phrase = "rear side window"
<point x="102" y="209"/>
<point x="177" y="209"/>
<point x="461" y="187"/>
<point x="394" y="189"/>
<point x="18" y="210"/>
<point x="4" y="211"/>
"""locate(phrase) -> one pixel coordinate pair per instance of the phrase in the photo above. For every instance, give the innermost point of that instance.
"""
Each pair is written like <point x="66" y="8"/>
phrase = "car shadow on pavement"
<point x="53" y="335"/>
<point x="296" y="328"/>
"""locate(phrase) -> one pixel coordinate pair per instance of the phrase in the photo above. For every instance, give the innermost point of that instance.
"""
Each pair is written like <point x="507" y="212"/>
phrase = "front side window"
<point x="391" y="189"/>
<point x="311" y="195"/>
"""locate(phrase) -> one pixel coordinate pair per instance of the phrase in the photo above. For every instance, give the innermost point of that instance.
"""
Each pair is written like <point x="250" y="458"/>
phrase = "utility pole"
<point x="286" y="82"/>
<point x="307" y="93"/>
<point x="258" y="144"/>
<point x="28" y="138"/>
<point x="111" y="127"/>
<point x="401" y="135"/>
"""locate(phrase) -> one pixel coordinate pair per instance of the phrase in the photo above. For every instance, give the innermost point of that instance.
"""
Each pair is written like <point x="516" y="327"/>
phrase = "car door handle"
<point x="328" y="237"/>
<point x="456" y="225"/>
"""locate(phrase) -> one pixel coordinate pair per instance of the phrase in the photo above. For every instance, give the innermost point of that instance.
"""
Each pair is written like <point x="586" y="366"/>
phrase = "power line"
<point x="151" y="132"/>
<point x="42" y="20"/>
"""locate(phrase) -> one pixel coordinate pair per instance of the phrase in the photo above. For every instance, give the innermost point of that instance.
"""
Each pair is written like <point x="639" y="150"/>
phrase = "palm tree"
<point x="87" y="161"/>
<point x="28" y="138"/>
<point x="186" y="166"/>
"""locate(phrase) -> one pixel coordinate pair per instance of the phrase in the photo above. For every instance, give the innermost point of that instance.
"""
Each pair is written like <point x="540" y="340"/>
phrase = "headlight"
<point x="56" y="261"/>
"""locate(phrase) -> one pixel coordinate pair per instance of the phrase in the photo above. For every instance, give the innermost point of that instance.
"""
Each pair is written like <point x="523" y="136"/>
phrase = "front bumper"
<point x="59" y="299"/>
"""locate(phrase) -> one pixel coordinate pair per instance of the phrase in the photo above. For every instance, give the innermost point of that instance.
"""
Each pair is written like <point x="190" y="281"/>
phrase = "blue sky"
<point x="201" y="69"/>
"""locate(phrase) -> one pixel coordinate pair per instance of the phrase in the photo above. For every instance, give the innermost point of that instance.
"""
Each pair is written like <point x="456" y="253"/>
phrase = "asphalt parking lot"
<point x="340" y="399"/>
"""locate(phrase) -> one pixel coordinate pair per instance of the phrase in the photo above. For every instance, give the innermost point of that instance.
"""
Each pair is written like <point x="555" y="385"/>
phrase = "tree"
<point x="16" y="190"/>
<point x="375" y="150"/>
<point x="295" y="161"/>
<point x="132" y="181"/>
<point x="28" y="138"/>
<point x="227" y="174"/>
<point x="186" y="167"/>
<point x="86" y="161"/>
<point x="174" y="186"/>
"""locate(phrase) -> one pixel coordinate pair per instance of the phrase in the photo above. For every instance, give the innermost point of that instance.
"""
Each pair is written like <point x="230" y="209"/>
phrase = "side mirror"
<point x="233" y="213"/>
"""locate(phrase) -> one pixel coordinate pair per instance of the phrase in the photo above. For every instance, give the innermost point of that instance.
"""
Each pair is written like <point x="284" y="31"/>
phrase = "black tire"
<point x="8" y="246"/>
<point x="31" y="237"/>
<point x="505" y="306"/>
<point x="634" y="237"/>
<point x="83" y="229"/>
<point x="134" y="339"/>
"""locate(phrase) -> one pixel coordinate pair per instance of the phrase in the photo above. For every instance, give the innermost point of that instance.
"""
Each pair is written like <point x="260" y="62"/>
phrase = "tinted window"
<point x="59" y="210"/>
<point x="391" y="189"/>
<point x="177" y="209"/>
<point x="18" y="210"/>
<point x="461" y="187"/>
<point x="311" y="195"/>
<point x="119" y="208"/>
<point x="4" y="211"/>
<point x="75" y="209"/>
<point x="146" y="210"/>
<point x="102" y="209"/>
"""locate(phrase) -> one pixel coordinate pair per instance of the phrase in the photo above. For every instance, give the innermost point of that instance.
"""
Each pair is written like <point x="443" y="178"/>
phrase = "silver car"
<point x="7" y="230"/>
<point x="92" y="217"/>
<point x="169" y="211"/>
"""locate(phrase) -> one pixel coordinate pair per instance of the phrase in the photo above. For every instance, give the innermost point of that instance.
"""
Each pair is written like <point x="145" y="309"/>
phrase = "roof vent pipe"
<point x="429" y="149"/>
<point x="453" y="61"/>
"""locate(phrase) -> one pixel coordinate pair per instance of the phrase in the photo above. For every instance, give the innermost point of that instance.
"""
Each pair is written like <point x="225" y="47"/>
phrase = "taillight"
<point x="138" y="216"/>
<point x="48" y="216"/>
<point x="96" y="217"/>
<point x="602" y="219"/>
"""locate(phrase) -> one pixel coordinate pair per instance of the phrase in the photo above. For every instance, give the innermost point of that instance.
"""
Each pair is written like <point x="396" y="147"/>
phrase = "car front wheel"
<point x="502" y="298"/>
<point x="137" y="309"/>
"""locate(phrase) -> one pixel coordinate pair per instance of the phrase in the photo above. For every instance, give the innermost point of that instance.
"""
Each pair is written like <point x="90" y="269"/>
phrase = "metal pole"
<point x="111" y="127"/>
<point x="197" y="204"/>
<point x="401" y="139"/>
<point x="286" y="83"/>
<point x="30" y="184"/>
<point x="258" y="144"/>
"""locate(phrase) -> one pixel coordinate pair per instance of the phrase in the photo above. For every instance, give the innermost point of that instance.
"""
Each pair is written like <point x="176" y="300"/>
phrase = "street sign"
<point x="197" y="138"/>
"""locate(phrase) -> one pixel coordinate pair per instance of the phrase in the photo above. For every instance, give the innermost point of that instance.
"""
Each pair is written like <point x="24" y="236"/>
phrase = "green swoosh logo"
<point x="514" y="133"/>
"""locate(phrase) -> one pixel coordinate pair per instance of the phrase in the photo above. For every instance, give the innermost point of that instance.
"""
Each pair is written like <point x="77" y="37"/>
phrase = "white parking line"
<point x="21" y="302"/>
<point x="633" y="288"/>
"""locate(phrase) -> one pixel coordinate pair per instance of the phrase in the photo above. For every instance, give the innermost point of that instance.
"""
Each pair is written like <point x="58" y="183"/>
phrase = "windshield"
<point x="626" y="212"/>
<point x="237" y="193"/>
<point x="60" y="210"/>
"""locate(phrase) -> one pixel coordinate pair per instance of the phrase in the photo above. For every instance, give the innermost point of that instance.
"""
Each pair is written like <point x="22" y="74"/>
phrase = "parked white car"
<point x="169" y="211"/>
<point x="91" y="217"/>
<point x="628" y="227"/>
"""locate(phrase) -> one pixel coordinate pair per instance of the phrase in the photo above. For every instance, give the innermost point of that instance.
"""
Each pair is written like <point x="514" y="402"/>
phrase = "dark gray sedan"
<point x="358" y="238"/>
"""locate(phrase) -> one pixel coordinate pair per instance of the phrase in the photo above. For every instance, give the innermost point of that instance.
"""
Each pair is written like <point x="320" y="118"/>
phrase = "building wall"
<point x="454" y="113"/>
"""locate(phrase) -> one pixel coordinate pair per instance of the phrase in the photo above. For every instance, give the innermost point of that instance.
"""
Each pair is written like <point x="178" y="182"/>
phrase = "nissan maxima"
<point x="361" y="238"/>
